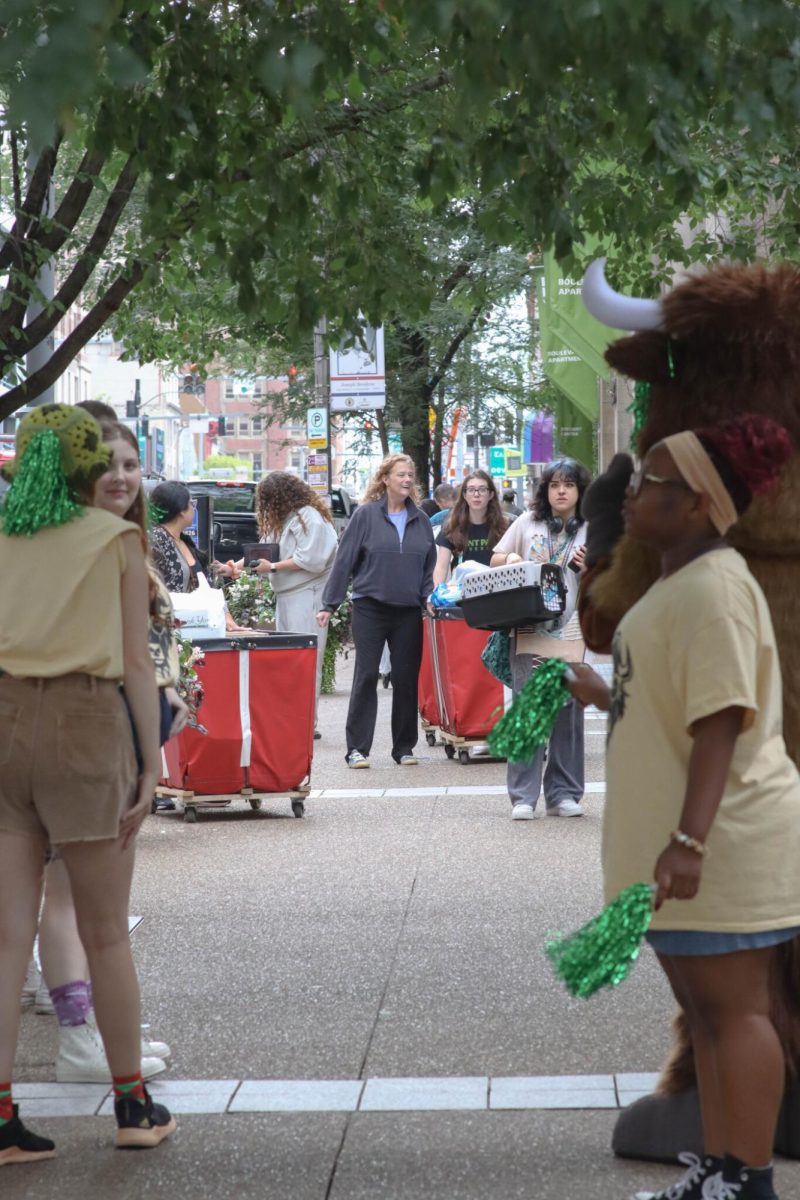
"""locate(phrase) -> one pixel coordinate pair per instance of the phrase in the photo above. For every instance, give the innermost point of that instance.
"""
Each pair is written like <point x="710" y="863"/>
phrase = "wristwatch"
<point x="272" y="567"/>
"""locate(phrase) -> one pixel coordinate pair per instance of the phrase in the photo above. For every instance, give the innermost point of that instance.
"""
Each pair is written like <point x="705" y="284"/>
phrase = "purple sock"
<point x="72" y="1001"/>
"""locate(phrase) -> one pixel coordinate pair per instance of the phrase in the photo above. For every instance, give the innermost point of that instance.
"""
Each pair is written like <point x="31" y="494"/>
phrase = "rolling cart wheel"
<point x="298" y="808"/>
<point x="449" y="750"/>
<point x="463" y="757"/>
<point x="255" y="803"/>
<point x="430" y="738"/>
<point x="190" y="814"/>
<point x="154" y="804"/>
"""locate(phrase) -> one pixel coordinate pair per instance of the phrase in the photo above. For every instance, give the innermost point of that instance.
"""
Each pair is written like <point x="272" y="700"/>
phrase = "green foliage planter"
<point x="251" y="601"/>
<point x="338" y="640"/>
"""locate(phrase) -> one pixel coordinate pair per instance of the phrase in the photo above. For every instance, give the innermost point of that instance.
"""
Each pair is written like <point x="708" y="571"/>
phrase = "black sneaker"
<point x="740" y="1182"/>
<point x="702" y="1176"/>
<point x="141" y="1124"/>
<point x="19" y="1145"/>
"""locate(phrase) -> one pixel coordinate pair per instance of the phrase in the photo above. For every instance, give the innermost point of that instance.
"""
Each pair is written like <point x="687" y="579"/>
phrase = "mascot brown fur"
<point x="729" y="344"/>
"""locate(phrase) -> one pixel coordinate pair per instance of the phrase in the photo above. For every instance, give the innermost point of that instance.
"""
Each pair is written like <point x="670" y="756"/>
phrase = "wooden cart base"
<point x="431" y="733"/>
<point x="191" y="803"/>
<point x="454" y="745"/>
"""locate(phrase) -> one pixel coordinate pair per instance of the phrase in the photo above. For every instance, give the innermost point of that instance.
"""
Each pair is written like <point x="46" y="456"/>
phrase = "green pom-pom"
<point x="639" y="408"/>
<point x="529" y="721"/>
<point x="39" y="497"/>
<point x="602" y="953"/>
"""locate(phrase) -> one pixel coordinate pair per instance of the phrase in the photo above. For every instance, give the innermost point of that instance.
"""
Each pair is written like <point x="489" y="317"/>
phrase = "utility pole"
<point x="322" y="387"/>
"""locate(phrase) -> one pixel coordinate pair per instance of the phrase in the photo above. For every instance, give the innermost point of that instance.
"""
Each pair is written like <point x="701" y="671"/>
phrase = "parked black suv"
<point x="232" y="522"/>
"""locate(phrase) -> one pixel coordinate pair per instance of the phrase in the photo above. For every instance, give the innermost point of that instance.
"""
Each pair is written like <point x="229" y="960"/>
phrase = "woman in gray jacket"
<point x="388" y="550"/>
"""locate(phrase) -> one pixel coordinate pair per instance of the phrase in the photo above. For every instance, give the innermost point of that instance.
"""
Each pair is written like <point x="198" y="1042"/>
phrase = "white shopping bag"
<point x="202" y="612"/>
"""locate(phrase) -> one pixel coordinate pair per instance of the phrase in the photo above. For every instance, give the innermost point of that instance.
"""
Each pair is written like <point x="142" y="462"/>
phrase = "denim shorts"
<point x="701" y="941"/>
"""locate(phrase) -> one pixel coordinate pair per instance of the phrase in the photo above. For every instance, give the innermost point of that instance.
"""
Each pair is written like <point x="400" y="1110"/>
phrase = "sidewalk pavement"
<point x="358" y="1002"/>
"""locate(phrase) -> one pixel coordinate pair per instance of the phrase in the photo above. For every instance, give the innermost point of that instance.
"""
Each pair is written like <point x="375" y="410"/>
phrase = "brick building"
<point x="266" y="447"/>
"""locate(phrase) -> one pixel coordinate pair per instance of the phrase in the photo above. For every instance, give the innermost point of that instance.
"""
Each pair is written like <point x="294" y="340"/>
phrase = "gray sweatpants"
<point x="296" y="612"/>
<point x="563" y="774"/>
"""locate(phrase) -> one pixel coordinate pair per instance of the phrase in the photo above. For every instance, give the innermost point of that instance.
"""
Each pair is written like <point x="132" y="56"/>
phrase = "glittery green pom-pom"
<point x="639" y="408"/>
<point x="529" y="722"/>
<point x="39" y="496"/>
<point x="603" y="952"/>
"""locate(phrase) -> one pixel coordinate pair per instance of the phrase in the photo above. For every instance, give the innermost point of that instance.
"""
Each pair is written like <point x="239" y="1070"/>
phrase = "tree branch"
<point x="48" y="318"/>
<point x="28" y="215"/>
<point x="349" y="119"/>
<point x="94" y="320"/>
<point x="15" y="172"/>
<point x="452" y="349"/>
<point x="65" y="218"/>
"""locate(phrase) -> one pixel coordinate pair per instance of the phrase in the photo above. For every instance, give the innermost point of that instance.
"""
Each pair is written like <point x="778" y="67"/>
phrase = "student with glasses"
<point x="474" y="527"/>
<point x="554" y="531"/>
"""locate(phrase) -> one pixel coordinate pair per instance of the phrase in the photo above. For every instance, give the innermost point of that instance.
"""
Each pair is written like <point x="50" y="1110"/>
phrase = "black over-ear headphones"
<point x="556" y="524"/>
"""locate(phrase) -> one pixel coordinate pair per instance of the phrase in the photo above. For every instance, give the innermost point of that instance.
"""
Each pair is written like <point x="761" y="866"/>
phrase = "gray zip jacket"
<point x="381" y="566"/>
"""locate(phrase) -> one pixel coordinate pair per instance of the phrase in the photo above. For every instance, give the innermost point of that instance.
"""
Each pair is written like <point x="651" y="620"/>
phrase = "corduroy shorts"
<point x="67" y="766"/>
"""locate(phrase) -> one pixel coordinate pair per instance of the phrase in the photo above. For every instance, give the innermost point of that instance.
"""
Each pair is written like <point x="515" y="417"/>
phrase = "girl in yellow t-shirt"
<point x="73" y="624"/>
<point x="701" y="793"/>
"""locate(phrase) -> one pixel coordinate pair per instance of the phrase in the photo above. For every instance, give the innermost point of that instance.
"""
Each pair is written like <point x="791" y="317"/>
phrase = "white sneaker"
<point x="407" y="760"/>
<point x="82" y="1057"/>
<point x="150" y="1049"/>
<point x="567" y="808"/>
<point x="522" y="812"/>
<point x="42" y="1003"/>
<point x="33" y="977"/>
<point x="357" y="761"/>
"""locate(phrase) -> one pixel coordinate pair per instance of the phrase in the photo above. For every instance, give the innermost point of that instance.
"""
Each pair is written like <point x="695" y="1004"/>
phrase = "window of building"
<point x="244" y="427"/>
<point x="256" y="426"/>
<point x="257" y="468"/>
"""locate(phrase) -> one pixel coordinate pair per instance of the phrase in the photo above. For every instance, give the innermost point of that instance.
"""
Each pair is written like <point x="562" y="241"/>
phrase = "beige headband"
<point x="699" y="472"/>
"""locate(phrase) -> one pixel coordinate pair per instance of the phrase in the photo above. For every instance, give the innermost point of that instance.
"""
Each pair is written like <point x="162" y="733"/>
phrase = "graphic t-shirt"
<point x="476" y="549"/>
<point x="698" y="642"/>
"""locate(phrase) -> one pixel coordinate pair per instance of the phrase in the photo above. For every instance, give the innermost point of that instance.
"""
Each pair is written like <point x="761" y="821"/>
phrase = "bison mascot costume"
<point x="719" y="344"/>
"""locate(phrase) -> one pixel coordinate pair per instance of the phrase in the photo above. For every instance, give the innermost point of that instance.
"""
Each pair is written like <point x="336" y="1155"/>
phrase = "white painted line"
<point x="428" y="1094"/>
<point x="425" y="1095"/>
<point x="423" y="791"/>
<point x="449" y="790"/>
<point x="298" y="1095"/>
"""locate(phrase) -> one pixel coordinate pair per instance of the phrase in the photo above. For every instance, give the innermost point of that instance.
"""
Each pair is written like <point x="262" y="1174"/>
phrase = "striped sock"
<point x="129" y="1085"/>
<point x="6" y="1107"/>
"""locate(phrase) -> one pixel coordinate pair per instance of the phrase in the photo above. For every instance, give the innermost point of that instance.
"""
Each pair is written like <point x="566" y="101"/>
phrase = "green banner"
<point x="572" y="347"/>
<point x="574" y="436"/>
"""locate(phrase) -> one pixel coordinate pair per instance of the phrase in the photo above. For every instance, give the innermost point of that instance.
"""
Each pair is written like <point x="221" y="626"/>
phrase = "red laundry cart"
<point x="258" y="711"/>
<point x="468" y="697"/>
<point x="427" y="698"/>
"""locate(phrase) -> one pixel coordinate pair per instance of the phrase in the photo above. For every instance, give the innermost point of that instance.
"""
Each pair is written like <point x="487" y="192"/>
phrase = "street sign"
<point x="357" y="374"/>
<point x="317" y="471"/>
<point x="505" y="462"/>
<point x="317" y="426"/>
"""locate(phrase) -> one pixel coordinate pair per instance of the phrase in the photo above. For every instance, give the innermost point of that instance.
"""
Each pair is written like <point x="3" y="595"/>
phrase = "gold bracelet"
<point x="690" y="843"/>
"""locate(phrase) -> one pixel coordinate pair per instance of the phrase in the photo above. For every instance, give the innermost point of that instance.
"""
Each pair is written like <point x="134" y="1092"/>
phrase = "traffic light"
<point x="221" y="427"/>
<point x="144" y="427"/>
<point x="132" y="406"/>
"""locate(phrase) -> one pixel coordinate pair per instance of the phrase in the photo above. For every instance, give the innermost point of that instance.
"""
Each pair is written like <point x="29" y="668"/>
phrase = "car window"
<point x="227" y="497"/>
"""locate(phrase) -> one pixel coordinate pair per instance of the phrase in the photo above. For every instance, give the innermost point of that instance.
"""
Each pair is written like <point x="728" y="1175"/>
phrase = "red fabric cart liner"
<point x="426" y="686"/>
<point x="259" y="713"/>
<point x="470" y="698"/>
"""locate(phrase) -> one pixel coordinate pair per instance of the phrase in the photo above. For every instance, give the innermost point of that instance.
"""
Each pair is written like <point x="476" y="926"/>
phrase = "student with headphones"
<point x="553" y="532"/>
